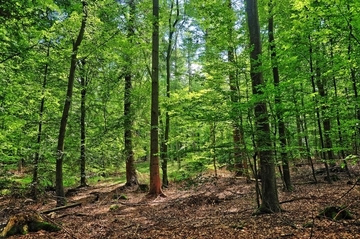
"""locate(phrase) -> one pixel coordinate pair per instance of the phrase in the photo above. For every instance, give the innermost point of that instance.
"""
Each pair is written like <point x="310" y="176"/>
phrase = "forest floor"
<point x="205" y="207"/>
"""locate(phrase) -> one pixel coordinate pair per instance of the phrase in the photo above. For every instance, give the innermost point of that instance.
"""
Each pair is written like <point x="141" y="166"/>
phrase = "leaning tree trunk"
<point x="279" y="113"/>
<point x="131" y="176"/>
<point x="35" y="179"/>
<point x="270" y="201"/>
<point x="155" y="182"/>
<point x="60" y="196"/>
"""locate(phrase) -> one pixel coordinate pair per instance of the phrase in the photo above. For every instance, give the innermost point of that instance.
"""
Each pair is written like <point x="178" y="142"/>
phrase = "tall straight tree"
<point x="35" y="179"/>
<point x="83" y="83"/>
<point x="155" y="183"/>
<point x="240" y="163"/>
<point x="353" y="77"/>
<point x="60" y="196"/>
<point x="278" y="107"/>
<point x="164" y="147"/>
<point x="131" y="177"/>
<point x="270" y="201"/>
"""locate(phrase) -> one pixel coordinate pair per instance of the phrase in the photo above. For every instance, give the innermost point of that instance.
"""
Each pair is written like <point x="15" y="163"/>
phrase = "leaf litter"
<point x="213" y="207"/>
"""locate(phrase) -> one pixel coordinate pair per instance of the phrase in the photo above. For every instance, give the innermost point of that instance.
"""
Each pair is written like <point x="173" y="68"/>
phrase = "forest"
<point x="179" y="119"/>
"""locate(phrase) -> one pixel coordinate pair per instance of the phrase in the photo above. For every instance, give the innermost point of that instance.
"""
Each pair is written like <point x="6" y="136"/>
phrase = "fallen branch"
<point x="296" y="199"/>
<point x="61" y="208"/>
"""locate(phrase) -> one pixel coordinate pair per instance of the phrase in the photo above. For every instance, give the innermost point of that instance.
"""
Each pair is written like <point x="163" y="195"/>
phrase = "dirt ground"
<point x="206" y="207"/>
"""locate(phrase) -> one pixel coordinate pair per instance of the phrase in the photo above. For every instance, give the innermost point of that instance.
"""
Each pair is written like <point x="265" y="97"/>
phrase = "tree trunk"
<point x="83" y="83"/>
<point x="270" y="201"/>
<point x="240" y="163"/>
<point x="213" y="144"/>
<point x="278" y="110"/>
<point x="35" y="179"/>
<point x="155" y="183"/>
<point x="342" y="151"/>
<point x="164" y="152"/>
<point x="304" y="129"/>
<point x="131" y="176"/>
<point x="60" y="196"/>
<point x="326" y="119"/>
<point x="318" y="120"/>
<point x="353" y="77"/>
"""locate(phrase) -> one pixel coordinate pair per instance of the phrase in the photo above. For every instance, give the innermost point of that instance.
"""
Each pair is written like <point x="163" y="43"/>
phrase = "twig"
<point x="348" y="191"/>
<point x="137" y="227"/>
<point x="62" y="227"/>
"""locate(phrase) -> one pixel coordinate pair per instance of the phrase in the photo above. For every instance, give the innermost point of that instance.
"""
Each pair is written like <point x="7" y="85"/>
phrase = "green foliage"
<point x="114" y="207"/>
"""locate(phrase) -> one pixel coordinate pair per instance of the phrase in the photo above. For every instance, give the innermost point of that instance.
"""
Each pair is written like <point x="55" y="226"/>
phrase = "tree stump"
<point x="335" y="213"/>
<point x="27" y="222"/>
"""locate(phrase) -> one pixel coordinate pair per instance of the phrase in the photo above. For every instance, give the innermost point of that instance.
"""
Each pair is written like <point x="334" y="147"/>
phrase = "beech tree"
<point x="270" y="201"/>
<point x="172" y="24"/>
<point x="155" y="182"/>
<point x="35" y="178"/>
<point x="84" y="83"/>
<point x="278" y="101"/>
<point x="131" y="177"/>
<point x="60" y="147"/>
<point x="304" y="89"/>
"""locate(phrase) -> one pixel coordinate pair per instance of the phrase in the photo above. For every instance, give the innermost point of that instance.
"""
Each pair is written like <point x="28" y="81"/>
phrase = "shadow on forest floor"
<point x="208" y="207"/>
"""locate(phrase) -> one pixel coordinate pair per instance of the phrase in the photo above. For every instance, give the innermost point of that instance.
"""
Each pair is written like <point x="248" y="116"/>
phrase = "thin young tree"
<point x="83" y="83"/>
<point x="270" y="201"/>
<point x="240" y="161"/>
<point x="318" y="118"/>
<point x="279" y="112"/>
<point x="35" y="179"/>
<point x="164" y="144"/>
<point x="60" y="195"/>
<point x="353" y="77"/>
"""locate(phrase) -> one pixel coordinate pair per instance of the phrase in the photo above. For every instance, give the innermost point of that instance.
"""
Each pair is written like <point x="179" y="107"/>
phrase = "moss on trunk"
<point x="27" y="222"/>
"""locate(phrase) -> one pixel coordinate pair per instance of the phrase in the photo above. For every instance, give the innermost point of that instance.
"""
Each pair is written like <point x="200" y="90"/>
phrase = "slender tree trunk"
<point x="353" y="77"/>
<point x="342" y="151"/>
<point x="188" y="61"/>
<point x="60" y="196"/>
<point x="304" y="129"/>
<point x="131" y="176"/>
<point x="278" y="110"/>
<point x="164" y="152"/>
<point x="35" y="179"/>
<point x="299" y="137"/>
<point x="240" y="163"/>
<point x="83" y="82"/>
<point x="155" y="182"/>
<point x="318" y="119"/>
<point x="213" y="144"/>
<point x="326" y="119"/>
<point x="270" y="201"/>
